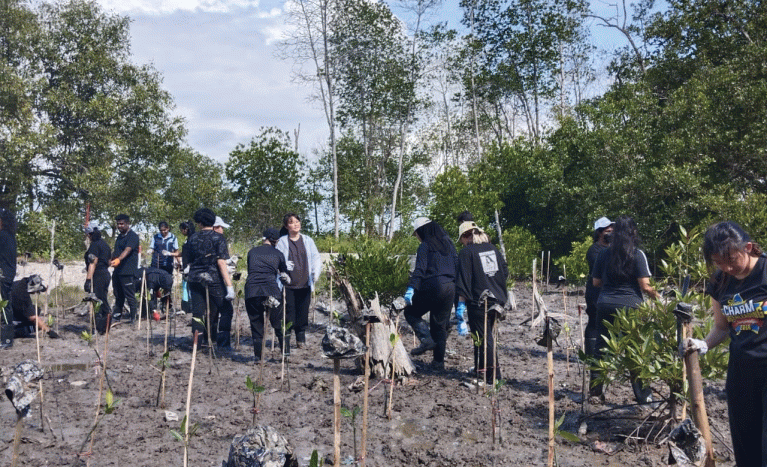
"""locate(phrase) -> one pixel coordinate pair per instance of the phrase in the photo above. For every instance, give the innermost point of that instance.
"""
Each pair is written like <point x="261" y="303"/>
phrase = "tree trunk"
<point x="380" y="345"/>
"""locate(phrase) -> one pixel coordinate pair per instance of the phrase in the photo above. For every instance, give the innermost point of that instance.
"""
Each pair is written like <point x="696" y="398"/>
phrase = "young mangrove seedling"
<point x="315" y="460"/>
<point x="351" y="416"/>
<point x="184" y="434"/>
<point x="393" y="339"/>
<point x="256" y="390"/>
<point x="110" y="404"/>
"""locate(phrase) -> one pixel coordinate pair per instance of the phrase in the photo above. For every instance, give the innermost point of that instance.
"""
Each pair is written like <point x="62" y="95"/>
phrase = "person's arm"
<point x="92" y="268"/>
<point x="316" y="261"/>
<point x="224" y="272"/>
<point x="421" y="263"/>
<point x="644" y="284"/>
<point x="721" y="328"/>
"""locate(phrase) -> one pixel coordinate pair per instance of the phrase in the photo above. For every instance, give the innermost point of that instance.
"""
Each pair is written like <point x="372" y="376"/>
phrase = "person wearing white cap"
<point x="431" y="289"/>
<point x="481" y="268"/>
<point x="226" y="311"/>
<point x="603" y="228"/>
<point x="97" y="275"/>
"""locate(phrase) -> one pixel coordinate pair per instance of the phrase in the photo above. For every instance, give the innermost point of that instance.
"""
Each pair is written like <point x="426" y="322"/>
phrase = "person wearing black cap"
<point x="267" y="270"/>
<point x="125" y="262"/>
<point x="603" y="229"/>
<point x="431" y="289"/>
<point x="8" y="269"/>
<point x="24" y="315"/>
<point x="97" y="275"/>
<point x="208" y="274"/>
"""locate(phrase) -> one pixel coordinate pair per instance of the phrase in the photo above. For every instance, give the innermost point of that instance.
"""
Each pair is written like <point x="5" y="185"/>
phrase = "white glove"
<point x="290" y="265"/>
<point x="166" y="253"/>
<point x="186" y="269"/>
<point x="229" y="292"/>
<point x="285" y="278"/>
<point x="691" y="345"/>
<point x="150" y="251"/>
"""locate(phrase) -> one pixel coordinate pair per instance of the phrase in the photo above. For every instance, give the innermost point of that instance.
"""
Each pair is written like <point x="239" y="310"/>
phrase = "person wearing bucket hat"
<point x="431" y="289"/>
<point x="267" y="271"/>
<point x="97" y="275"/>
<point x="603" y="228"/>
<point x="481" y="268"/>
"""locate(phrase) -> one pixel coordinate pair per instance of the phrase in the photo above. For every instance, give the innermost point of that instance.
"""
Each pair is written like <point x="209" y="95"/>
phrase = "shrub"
<point x="521" y="249"/>
<point x="575" y="263"/>
<point x="376" y="266"/>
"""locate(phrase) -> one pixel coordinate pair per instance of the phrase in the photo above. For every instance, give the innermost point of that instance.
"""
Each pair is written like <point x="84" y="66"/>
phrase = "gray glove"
<point x="229" y="292"/>
<point x="285" y="278"/>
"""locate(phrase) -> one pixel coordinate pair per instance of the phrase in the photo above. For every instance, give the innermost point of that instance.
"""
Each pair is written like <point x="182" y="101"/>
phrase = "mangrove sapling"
<point x="110" y="402"/>
<point x="393" y="339"/>
<point x="141" y="301"/>
<point x="165" y="358"/>
<point x="256" y="390"/>
<point x="351" y="416"/>
<point x="315" y="460"/>
<point x="558" y="431"/>
<point x="184" y="434"/>
<point x="477" y="340"/>
<point x="184" y="423"/>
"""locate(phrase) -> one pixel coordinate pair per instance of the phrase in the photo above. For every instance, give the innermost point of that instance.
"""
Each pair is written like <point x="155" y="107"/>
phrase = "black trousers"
<point x="592" y="294"/>
<point x="6" y="317"/>
<point x="225" y="315"/>
<point x="124" y="290"/>
<point x="100" y="288"/>
<point x="747" y="411"/>
<point x="438" y="303"/>
<point x="297" y="302"/>
<point x="255" y="308"/>
<point x="202" y="303"/>
<point x="476" y="315"/>
<point x="606" y="312"/>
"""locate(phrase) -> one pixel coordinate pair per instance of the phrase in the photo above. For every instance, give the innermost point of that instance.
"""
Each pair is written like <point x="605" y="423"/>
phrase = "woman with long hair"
<point x="738" y="288"/>
<point x="97" y="277"/>
<point x="431" y="289"/>
<point x="623" y="273"/>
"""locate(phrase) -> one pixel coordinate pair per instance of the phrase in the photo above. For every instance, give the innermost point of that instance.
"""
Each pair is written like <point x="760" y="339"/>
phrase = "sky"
<point x="218" y="60"/>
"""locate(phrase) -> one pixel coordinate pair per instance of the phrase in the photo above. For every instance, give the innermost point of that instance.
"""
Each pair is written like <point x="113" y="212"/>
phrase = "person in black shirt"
<point x="158" y="285"/>
<point x="623" y="273"/>
<point x="481" y="268"/>
<point x="738" y="288"/>
<point x="8" y="269"/>
<point x="431" y="289"/>
<point x="187" y="229"/>
<point x="266" y="270"/>
<point x="208" y="275"/>
<point x="125" y="262"/>
<point x="97" y="275"/>
<point x="603" y="229"/>
<point x="24" y="314"/>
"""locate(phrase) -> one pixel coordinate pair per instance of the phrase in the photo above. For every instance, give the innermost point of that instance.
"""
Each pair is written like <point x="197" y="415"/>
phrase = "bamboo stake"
<point x="494" y="404"/>
<point x="39" y="360"/>
<point x="208" y="327"/>
<point x="237" y="320"/>
<point x="484" y="348"/>
<point x="336" y="411"/>
<point x="365" y="397"/>
<point x="543" y="263"/>
<point x="532" y="312"/>
<point x="141" y="300"/>
<point x="550" y="365"/>
<point x="284" y="337"/>
<point x="548" y="271"/>
<point x="161" y="402"/>
<point x="189" y="399"/>
<point x="393" y="368"/>
<point x="564" y="311"/>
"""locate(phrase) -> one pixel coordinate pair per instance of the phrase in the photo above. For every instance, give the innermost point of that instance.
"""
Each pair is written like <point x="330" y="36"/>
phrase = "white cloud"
<point x="159" y="7"/>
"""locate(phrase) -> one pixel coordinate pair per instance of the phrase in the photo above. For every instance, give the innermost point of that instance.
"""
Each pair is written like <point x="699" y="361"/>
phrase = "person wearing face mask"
<point x="738" y="288"/>
<point x="603" y="229"/>
<point x="125" y="262"/>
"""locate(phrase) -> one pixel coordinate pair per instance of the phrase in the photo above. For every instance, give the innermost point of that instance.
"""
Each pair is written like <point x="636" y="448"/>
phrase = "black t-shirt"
<point x="744" y="303"/>
<point x="206" y="247"/>
<point x="299" y="276"/>
<point x="127" y="266"/>
<point x="592" y="293"/>
<point x="101" y="251"/>
<point x="156" y="279"/>
<point x="481" y="267"/>
<point x="265" y="262"/>
<point x="21" y="302"/>
<point x="7" y="256"/>
<point x="433" y="268"/>
<point x="616" y="291"/>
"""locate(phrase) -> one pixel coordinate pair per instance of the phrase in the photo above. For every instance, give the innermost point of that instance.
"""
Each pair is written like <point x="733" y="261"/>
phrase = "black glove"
<point x="87" y="286"/>
<point x="53" y="334"/>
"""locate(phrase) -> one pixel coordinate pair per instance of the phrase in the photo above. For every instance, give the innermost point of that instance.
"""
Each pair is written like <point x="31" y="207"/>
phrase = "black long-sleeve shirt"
<point x="432" y="268"/>
<point x="265" y="262"/>
<point x="481" y="267"/>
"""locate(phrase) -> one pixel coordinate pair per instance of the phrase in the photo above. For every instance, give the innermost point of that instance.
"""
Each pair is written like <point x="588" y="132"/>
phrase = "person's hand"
<point x="290" y="265"/>
<point x="115" y="262"/>
<point x="690" y="345"/>
<point x="229" y="292"/>
<point x="166" y="253"/>
<point x="87" y="286"/>
<point x="285" y="278"/>
<point x="53" y="334"/>
<point x="460" y="314"/>
<point x="409" y="296"/>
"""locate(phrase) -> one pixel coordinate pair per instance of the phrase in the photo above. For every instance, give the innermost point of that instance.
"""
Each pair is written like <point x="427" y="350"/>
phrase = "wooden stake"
<point x="550" y="365"/>
<point x="698" y="405"/>
<point x="39" y="361"/>
<point x="189" y="399"/>
<point x="363" y="451"/>
<point x="284" y="337"/>
<point x="393" y="370"/>
<point x="548" y="270"/>
<point x="535" y="291"/>
<point x="484" y="348"/>
<point x="161" y="400"/>
<point x="336" y="411"/>
<point x="141" y="301"/>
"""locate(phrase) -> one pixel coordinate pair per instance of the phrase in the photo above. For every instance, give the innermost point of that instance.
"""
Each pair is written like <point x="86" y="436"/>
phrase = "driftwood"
<point x="380" y="345"/>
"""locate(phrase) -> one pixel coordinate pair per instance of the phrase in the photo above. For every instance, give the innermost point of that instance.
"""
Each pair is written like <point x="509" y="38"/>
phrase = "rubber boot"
<point x="421" y="330"/>
<point x="224" y="341"/>
<point x="591" y="350"/>
<point x="257" y="349"/>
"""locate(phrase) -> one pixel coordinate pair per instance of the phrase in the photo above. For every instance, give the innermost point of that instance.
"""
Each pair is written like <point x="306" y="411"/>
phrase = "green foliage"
<point x="376" y="266"/>
<point x="564" y="434"/>
<point x="685" y="257"/>
<point x="454" y="193"/>
<point x="315" y="460"/>
<point x="575" y="263"/>
<point x="179" y="435"/>
<point x="110" y="403"/>
<point x="643" y="343"/>
<point x="521" y="249"/>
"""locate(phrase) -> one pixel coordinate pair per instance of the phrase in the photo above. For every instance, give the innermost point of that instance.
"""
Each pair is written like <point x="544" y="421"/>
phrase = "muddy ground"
<point x="437" y="420"/>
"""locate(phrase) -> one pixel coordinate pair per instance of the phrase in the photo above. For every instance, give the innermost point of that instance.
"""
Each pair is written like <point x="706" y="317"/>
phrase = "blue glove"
<point x="460" y="314"/>
<point x="409" y="296"/>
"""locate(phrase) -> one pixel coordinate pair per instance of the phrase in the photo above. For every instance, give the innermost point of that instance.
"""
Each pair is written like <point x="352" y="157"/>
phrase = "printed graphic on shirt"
<point x="489" y="262"/>
<point x="744" y="316"/>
